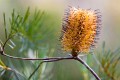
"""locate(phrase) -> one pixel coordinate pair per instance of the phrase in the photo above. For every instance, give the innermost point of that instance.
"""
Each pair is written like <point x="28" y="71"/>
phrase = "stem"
<point x="87" y="66"/>
<point x="6" y="43"/>
<point x="42" y="63"/>
<point x="20" y="58"/>
<point x="44" y="59"/>
<point x="35" y="70"/>
<point x="53" y="60"/>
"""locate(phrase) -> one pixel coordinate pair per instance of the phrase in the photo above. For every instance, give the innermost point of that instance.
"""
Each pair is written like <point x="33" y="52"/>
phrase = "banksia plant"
<point x="80" y="30"/>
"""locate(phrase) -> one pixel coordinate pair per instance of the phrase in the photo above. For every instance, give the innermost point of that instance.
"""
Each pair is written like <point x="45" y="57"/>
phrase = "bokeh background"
<point x="63" y="70"/>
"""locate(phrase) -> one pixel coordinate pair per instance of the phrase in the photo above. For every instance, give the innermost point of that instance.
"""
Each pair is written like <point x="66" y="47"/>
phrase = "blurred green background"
<point x="47" y="43"/>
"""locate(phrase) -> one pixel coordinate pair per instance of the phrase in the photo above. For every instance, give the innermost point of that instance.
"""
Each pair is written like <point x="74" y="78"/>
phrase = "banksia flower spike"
<point x="80" y="30"/>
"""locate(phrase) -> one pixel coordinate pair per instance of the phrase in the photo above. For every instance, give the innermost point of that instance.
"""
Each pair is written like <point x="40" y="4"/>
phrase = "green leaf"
<point x="1" y="63"/>
<point x="3" y="66"/>
<point x="12" y="43"/>
<point x="26" y="15"/>
<point x="1" y="42"/>
<point x="5" y="26"/>
<point x="10" y="46"/>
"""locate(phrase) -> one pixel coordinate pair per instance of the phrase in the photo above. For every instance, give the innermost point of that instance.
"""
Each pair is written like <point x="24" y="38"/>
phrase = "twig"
<point x="53" y="59"/>
<point x="87" y="66"/>
<point x="56" y="59"/>
<point x="3" y="47"/>
<point x="20" y="58"/>
<point x="75" y="58"/>
<point x="44" y="62"/>
<point x="35" y="70"/>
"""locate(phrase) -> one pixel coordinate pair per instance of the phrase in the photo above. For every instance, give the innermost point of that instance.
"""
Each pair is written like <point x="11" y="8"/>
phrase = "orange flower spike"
<point x="80" y="29"/>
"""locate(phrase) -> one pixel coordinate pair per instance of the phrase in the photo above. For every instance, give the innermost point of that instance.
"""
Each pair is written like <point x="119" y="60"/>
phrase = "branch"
<point x="44" y="62"/>
<point x="35" y="70"/>
<point x="21" y="58"/>
<point x="3" y="47"/>
<point x="53" y="59"/>
<point x="44" y="59"/>
<point x="87" y="66"/>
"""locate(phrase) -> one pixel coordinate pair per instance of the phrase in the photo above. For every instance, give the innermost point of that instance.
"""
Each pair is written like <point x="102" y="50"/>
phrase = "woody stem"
<point x="88" y="67"/>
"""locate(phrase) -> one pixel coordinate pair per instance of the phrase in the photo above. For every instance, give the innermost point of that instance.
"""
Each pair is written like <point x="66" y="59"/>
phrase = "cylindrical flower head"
<point x="80" y="29"/>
